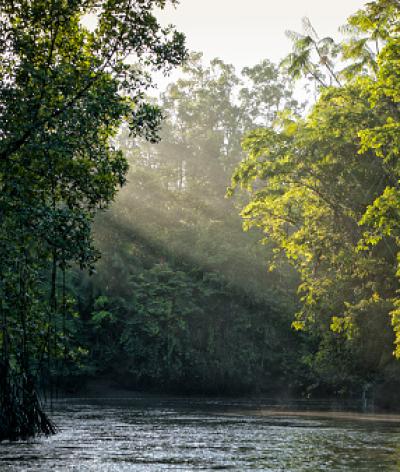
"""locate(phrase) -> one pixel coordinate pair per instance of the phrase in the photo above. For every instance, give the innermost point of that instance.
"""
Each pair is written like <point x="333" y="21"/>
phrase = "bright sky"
<point x="243" y="32"/>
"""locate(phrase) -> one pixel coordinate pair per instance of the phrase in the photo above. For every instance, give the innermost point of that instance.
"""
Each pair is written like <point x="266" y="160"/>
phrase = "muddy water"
<point x="153" y="434"/>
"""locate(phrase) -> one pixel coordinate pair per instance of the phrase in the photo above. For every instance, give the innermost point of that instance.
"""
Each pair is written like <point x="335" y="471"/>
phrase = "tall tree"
<point x="64" y="92"/>
<point x="381" y="21"/>
<point x="330" y="210"/>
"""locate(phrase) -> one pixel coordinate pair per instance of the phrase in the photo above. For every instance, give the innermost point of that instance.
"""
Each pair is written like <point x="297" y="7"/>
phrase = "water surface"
<point x="153" y="434"/>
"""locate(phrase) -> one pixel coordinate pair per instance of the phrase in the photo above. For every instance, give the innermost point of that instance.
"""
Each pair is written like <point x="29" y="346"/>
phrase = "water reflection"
<point x="149" y="434"/>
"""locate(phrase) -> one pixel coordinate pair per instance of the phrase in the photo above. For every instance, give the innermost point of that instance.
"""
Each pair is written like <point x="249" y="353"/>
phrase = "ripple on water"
<point x="168" y="435"/>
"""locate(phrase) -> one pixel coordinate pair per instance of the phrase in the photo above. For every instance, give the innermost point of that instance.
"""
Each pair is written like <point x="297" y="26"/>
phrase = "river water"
<point x="156" y="434"/>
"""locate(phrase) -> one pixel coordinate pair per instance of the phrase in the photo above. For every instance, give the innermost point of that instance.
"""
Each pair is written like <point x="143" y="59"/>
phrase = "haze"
<point x="243" y="33"/>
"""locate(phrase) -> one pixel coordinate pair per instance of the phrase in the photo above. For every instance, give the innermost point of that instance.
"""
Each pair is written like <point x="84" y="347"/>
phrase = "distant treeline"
<point x="184" y="301"/>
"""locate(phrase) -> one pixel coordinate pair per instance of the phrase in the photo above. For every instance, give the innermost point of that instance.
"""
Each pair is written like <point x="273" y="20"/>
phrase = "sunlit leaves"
<point x="327" y="195"/>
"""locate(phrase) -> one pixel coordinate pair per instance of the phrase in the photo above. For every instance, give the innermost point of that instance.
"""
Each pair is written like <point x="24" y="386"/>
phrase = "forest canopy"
<point x="325" y="187"/>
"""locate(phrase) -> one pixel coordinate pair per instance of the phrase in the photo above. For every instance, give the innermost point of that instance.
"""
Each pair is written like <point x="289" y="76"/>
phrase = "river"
<point x="155" y="434"/>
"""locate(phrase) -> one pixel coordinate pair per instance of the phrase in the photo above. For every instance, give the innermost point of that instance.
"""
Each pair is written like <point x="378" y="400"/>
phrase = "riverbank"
<point x="339" y="415"/>
<point x="255" y="406"/>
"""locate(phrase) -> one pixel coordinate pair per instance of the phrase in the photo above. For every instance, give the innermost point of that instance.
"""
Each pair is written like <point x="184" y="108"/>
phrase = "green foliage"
<point x="182" y="330"/>
<point x="382" y="215"/>
<point x="312" y="57"/>
<point x="189" y="304"/>
<point x="182" y="300"/>
<point x="324" y="190"/>
<point x="64" y="91"/>
<point x="190" y="308"/>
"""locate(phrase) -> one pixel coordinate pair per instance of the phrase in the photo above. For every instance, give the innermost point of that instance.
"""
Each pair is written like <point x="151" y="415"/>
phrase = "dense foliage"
<point x="324" y="189"/>
<point x="64" y="90"/>
<point x="185" y="302"/>
<point x="182" y="300"/>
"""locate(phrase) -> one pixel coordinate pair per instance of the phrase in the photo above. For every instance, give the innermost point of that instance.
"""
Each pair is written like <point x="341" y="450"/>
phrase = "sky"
<point x="243" y="32"/>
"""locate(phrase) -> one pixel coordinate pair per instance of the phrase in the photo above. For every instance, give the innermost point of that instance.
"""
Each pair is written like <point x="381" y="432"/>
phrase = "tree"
<point x="190" y="306"/>
<point x="331" y="211"/>
<point x="381" y="219"/>
<point x="178" y="200"/>
<point x="312" y="57"/>
<point x="64" y="92"/>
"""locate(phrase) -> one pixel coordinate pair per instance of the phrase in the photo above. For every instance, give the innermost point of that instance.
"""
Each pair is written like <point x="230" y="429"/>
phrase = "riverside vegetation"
<point x="182" y="300"/>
